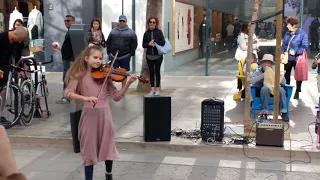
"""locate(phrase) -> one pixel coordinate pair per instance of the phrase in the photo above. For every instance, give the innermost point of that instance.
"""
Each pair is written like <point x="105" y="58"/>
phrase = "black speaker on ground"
<point x="74" y="122"/>
<point x="212" y="119"/>
<point x="157" y="118"/>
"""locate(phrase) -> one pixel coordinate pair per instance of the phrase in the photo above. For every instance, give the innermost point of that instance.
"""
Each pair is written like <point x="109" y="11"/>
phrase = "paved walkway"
<point x="187" y="93"/>
<point x="54" y="164"/>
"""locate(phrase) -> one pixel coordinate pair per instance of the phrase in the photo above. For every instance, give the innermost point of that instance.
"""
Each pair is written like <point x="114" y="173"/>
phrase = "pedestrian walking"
<point x="67" y="55"/>
<point x="96" y="130"/>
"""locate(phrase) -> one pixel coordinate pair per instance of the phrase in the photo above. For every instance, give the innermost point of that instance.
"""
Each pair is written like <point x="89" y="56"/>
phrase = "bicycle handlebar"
<point x="34" y="61"/>
<point x="22" y="69"/>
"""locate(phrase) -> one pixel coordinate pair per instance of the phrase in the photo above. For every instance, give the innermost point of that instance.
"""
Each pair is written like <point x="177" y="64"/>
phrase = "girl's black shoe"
<point x="296" y="95"/>
<point x="109" y="177"/>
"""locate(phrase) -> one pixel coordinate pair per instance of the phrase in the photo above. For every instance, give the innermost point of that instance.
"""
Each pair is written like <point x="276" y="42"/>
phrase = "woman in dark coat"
<point x="151" y="37"/>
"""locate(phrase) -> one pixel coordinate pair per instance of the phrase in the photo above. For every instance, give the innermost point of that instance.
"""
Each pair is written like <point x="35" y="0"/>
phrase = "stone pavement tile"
<point x="154" y="158"/>
<point x="41" y="175"/>
<point x="51" y="165"/>
<point x="179" y="160"/>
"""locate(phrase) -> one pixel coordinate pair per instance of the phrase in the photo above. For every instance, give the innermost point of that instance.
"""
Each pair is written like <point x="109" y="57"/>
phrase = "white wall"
<point x="141" y="11"/>
<point x="111" y="10"/>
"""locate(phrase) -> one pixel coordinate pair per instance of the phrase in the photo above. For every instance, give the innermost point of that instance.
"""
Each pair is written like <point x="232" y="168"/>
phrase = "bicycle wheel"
<point x="13" y="106"/>
<point x="29" y="102"/>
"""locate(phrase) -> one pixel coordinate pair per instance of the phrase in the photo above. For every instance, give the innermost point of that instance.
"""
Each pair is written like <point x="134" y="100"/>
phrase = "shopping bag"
<point x="301" y="70"/>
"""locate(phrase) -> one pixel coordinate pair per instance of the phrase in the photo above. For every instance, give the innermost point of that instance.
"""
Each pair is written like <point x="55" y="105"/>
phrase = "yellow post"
<point x="278" y="61"/>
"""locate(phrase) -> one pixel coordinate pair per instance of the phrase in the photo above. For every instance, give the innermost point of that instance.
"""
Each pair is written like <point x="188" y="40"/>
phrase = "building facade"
<point x="181" y="28"/>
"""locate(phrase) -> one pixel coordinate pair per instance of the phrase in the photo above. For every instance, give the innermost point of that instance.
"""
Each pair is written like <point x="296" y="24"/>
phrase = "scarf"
<point x="97" y="35"/>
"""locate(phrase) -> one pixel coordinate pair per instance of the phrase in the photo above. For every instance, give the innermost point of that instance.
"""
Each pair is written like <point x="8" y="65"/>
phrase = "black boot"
<point x="109" y="177"/>
<point x="296" y="95"/>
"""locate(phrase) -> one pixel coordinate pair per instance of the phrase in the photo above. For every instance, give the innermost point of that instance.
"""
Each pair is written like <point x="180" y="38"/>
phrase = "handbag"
<point x="164" y="49"/>
<point x="285" y="56"/>
<point x="301" y="70"/>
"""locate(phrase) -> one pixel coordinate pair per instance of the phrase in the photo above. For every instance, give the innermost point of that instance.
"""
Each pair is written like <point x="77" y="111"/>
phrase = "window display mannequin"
<point x="35" y="3"/>
<point x="14" y="16"/>
<point x="35" y="20"/>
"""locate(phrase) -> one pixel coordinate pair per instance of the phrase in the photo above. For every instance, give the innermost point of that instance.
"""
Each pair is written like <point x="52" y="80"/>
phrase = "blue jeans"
<point x="66" y="66"/>
<point x="123" y="63"/>
<point x="265" y="96"/>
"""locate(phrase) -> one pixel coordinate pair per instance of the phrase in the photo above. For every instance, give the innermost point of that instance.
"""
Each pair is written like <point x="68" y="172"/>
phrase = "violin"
<point x="117" y="75"/>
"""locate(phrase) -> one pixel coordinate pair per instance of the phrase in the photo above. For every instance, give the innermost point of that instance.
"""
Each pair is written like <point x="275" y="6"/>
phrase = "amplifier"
<point x="156" y="118"/>
<point x="212" y="119"/>
<point x="270" y="134"/>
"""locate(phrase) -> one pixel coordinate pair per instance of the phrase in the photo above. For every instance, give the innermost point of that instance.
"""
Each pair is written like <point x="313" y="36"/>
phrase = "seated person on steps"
<point x="258" y="81"/>
<point x="254" y="64"/>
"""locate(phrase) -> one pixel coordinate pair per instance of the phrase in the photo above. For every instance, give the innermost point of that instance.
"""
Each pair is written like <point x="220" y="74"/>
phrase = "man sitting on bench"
<point x="263" y="79"/>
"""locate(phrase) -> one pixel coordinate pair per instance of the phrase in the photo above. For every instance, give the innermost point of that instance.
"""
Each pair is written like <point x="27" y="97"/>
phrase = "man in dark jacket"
<point x="201" y="36"/>
<point x="124" y="40"/>
<point x="8" y="47"/>
<point x="67" y="54"/>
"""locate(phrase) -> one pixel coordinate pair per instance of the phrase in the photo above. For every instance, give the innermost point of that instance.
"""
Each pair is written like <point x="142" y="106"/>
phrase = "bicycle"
<point x="34" y="91"/>
<point x="13" y="106"/>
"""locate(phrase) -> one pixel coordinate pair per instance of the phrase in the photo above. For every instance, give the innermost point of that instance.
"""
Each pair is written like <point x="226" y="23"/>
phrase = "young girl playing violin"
<point x="96" y="131"/>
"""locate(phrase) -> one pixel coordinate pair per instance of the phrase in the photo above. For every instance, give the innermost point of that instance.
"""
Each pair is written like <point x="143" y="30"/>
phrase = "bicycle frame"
<point x="38" y="84"/>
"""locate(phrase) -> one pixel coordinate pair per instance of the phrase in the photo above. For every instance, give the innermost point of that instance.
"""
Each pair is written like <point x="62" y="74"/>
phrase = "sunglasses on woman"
<point x="152" y="22"/>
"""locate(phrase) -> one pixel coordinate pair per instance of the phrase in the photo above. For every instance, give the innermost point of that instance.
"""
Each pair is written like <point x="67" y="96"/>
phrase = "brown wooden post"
<point x="278" y="61"/>
<point x="255" y="12"/>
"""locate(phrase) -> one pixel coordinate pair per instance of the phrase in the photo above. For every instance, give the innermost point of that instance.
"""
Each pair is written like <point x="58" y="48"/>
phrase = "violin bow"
<point x="108" y="74"/>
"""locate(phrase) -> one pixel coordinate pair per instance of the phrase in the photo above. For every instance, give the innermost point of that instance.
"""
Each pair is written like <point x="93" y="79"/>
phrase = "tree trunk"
<point x="252" y="27"/>
<point x="154" y="8"/>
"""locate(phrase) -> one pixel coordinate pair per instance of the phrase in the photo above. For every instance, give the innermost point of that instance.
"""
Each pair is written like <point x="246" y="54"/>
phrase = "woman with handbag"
<point x="294" y="44"/>
<point x="151" y="37"/>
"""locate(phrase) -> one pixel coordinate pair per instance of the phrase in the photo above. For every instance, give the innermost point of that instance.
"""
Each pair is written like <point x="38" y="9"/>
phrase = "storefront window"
<point x="30" y="12"/>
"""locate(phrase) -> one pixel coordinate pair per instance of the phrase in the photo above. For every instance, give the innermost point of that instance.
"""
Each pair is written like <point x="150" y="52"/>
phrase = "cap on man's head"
<point x="122" y="18"/>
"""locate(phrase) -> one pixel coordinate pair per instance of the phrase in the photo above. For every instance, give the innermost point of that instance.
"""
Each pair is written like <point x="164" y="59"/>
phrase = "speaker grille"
<point x="212" y="119"/>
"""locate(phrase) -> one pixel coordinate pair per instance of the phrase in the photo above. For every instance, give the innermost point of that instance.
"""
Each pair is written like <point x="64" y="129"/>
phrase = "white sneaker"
<point x="157" y="93"/>
<point x="151" y="93"/>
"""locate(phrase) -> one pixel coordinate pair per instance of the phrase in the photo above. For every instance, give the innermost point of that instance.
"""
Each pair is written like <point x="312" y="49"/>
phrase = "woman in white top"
<point x="242" y="49"/>
<point x="243" y="42"/>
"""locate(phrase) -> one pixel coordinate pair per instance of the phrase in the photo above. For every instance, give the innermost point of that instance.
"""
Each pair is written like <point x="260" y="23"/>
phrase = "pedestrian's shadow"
<point x="236" y="113"/>
<point x="302" y="116"/>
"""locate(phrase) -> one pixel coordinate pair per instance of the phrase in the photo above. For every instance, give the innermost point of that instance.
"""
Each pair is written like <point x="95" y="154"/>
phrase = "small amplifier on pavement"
<point x="270" y="134"/>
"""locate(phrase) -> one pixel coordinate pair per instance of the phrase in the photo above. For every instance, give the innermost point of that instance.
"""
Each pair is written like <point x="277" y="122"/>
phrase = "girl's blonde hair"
<point x="79" y="67"/>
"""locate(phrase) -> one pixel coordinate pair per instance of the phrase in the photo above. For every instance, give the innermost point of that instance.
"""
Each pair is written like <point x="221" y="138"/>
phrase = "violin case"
<point x="74" y="122"/>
